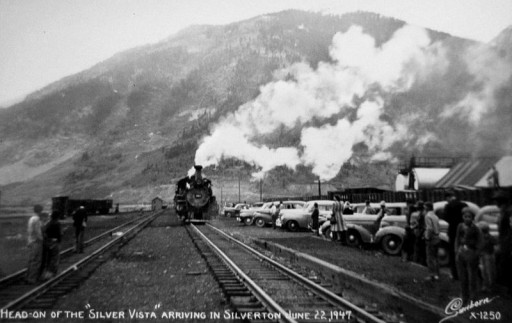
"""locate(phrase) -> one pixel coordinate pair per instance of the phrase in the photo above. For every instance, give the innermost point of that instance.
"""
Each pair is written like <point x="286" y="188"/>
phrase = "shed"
<point x="157" y="204"/>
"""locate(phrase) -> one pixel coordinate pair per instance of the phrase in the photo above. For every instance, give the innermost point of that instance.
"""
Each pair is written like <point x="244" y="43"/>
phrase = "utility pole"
<point x="239" y="201"/>
<point x="261" y="190"/>
<point x="319" y="189"/>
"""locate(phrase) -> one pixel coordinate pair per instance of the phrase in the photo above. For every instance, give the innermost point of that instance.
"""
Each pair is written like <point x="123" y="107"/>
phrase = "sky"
<point x="43" y="41"/>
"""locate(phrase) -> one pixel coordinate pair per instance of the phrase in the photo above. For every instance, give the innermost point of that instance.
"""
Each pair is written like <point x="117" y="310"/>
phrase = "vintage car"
<point x="294" y="220"/>
<point x="246" y="216"/>
<point x="264" y="216"/>
<point x="490" y="215"/>
<point x="392" y="232"/>
<point x="360" y="227"/>
<point x="232" y="212"/>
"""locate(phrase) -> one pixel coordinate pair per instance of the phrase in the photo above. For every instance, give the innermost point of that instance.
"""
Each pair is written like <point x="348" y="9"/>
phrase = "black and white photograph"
<point x="256" y="161"/>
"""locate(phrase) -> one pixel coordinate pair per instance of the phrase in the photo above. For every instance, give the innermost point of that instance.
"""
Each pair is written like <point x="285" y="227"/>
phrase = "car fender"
<point x="365" y="235"/>
<point x="398" y="231"/>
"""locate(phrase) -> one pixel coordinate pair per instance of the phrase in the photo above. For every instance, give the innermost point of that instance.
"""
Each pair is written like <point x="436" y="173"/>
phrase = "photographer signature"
<point x="455" y="308"/>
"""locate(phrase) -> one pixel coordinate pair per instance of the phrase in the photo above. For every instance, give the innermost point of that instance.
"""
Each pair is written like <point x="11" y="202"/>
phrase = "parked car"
<point x="233" y="211"/>
<point x="296" y="219"/>
<point x="246" y="216"/>
<point x="392" y="232"/>
<point x="490" y="215"/>
<point x="264" y="216"/>
<point x="360" y="226"/>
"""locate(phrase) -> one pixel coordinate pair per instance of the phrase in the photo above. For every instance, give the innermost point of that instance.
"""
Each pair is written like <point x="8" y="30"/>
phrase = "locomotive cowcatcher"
<point x="193" y="199"/>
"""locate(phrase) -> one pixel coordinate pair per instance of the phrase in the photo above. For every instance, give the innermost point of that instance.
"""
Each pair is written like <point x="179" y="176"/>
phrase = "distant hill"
<point x="130" y="125"/>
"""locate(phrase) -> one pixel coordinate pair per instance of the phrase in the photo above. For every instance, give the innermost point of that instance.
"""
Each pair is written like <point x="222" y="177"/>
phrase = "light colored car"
<point x="360" y="227"/>
<point x="489" y="214"/>
<point x="264" y="216"/>
<point x="246" y="216"/>
<point x="232" y="212"/>
<point x="294" y="220"/>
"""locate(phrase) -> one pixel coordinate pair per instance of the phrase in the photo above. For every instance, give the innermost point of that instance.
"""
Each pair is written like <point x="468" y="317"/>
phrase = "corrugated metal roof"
<point x="468" y="172"/>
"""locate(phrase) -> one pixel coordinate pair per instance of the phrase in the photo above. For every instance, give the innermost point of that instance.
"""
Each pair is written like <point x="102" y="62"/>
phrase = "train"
<point x="193" y="199"/>
<point x="65" y="206"/>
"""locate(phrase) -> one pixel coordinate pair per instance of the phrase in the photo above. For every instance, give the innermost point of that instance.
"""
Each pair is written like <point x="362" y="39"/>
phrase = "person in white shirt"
<point x="432" y="240"/>
<point x="35" y="245"/>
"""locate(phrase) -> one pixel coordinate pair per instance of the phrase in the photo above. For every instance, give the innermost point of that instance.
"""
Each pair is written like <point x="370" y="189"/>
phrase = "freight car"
<point x="193" y="199"/>
<point x="66" y="206"/>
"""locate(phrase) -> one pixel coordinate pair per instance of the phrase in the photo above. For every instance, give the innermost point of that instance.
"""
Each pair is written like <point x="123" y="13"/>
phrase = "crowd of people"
<point x="44" y="240"/>
<point x="479" y="261"/>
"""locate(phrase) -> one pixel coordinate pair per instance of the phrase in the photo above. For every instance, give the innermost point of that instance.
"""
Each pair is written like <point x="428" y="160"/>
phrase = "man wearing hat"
<point x="453" y="215"/>
<point x="504" y="250"/>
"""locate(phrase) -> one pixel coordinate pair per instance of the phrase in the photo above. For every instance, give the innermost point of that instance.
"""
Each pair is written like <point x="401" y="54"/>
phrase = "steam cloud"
<point x="351" y="91"/>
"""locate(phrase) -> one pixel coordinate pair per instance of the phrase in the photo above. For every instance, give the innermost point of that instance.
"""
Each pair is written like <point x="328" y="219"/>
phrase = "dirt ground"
<point x="159" y="272"/>
<point x="13" y="237"/>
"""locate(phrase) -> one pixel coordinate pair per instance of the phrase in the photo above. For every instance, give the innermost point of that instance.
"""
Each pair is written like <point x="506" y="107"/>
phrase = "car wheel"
<point x="354" y="239"/>
<point x="443" y="256"/>
<point x="260" y="223"/>
<point x="328" y="234"/>
<point x="247" y="221"/>
<point x="391" y="244"/>
<point x="293" y="226"/>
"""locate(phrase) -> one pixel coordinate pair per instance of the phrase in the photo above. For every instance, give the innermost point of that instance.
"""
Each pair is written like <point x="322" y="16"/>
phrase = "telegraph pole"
<point x="319" y="189"/>
<point x="238" y="186"/>
<point x="261" y="190"/>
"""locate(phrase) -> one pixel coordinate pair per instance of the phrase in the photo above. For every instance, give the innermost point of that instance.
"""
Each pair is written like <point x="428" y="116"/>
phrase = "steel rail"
<point x="321" y="291"/>
<point x="65" y="252"/>
<point x="257" y="290"/>
<point x="20" y="301"/>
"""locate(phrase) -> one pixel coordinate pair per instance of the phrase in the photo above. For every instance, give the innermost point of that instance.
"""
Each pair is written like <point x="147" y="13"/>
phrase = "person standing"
<point x="52" y="240"/>
<point x="418" y="227"/>
<point x="35" y="245"/>
<point x="487" y="259"/>
<point x="314" y="217"/>
<point x="408" y="245"/>
<point x="431" y="240"/>
<point x="79" y="222"/>
<point x="338" y="228"/>
<point x="275" y="214"/>
<point x="504" y="247"/>
<point x="467" y="242"/>
<point x="453" y="215"/>
<point x="380" y="216"/>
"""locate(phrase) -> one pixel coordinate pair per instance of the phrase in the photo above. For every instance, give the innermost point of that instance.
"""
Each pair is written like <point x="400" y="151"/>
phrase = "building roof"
<point x="156" y="199"/>
<point x="468" y="172"/>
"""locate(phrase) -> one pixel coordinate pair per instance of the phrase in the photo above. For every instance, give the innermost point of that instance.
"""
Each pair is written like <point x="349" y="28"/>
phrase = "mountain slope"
<point x="135" y="120"/>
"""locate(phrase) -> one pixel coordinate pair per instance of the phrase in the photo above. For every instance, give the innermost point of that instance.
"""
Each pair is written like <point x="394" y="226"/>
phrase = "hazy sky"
<point x="42" y="41"/>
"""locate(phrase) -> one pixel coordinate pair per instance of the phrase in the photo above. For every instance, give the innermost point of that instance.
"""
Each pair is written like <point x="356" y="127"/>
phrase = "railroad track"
<point x="261" y="289"/>
<point x="15" y="294"/>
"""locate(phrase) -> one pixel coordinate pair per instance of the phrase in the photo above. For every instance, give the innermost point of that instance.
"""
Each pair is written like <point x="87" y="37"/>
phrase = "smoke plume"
<point x="338" y="105"/>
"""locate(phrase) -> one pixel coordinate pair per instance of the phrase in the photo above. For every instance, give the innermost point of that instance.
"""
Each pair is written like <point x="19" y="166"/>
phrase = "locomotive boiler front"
<point x="194" y="198"/>
<point x="198" y="197"/>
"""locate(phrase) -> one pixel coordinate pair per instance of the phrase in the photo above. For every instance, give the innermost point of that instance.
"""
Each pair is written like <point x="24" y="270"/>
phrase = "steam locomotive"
<point x="193" y="199"/>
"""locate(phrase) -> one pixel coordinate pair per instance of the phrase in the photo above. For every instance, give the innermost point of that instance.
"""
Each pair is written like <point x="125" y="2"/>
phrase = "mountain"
<point x="130" y="126"/>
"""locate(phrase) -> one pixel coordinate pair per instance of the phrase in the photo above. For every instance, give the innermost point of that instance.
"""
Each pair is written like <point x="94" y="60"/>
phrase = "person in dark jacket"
<point x="418" y="228"/>
<point x="468" y="240"/>
<point x="314" y="217"/>
<point x="453" y="215"/>
<point x="52" y="239"/>
<point x="79" y="222"/>
<point x="408" y="244"/>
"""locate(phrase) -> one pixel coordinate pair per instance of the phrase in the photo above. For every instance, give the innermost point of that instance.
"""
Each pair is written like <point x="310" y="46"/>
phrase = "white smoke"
<point x="300" y="94"/>
<point x="490" y="71"/>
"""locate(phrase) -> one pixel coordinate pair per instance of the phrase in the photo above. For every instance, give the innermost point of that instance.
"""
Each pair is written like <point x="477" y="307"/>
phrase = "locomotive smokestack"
<point x="198" y="175"/>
